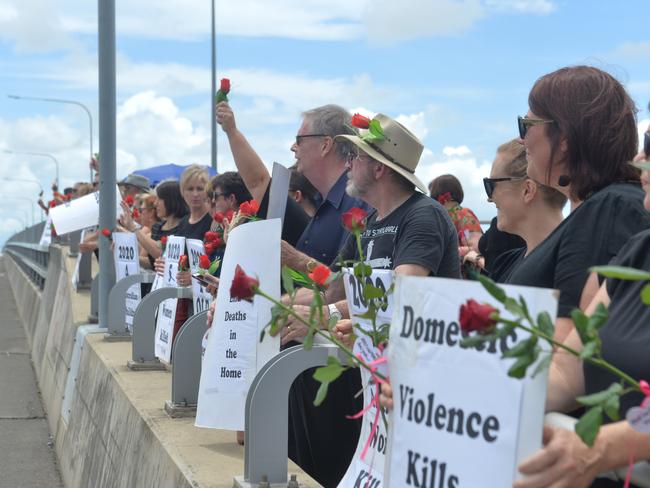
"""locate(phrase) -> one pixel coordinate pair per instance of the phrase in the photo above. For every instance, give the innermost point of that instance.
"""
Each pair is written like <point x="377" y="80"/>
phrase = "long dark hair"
<point x="597" y="117"/>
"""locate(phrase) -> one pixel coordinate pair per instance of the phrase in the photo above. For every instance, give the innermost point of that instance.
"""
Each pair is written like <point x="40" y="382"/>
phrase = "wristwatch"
<point x="334" y="312"/>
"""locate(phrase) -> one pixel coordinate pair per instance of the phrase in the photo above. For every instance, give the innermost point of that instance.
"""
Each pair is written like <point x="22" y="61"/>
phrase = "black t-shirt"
<point x="505" y="263"/>
<point x="418" y="232"/>
<point x="157" y="233"/>
<point x="626" y="335"/>
<point x="591" y="235"/>
<point x="196" y="230"/>
<point x="295" y="218"/>
<point x="494" y="242"/>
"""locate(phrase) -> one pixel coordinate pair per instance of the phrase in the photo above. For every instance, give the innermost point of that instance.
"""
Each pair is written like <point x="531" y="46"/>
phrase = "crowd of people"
<point x="576" y="144"/>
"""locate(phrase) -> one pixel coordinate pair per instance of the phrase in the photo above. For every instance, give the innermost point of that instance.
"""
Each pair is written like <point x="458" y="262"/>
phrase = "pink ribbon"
<point x="645" y="389"/>
<point x="376" y="380"/>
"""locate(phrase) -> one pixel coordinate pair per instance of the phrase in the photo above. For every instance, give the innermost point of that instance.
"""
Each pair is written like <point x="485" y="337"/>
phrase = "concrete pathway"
<point x="26" y="458"/>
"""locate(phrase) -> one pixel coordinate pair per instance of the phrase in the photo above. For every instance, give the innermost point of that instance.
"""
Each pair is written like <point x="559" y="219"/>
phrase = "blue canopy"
<point x="157" y="174"/>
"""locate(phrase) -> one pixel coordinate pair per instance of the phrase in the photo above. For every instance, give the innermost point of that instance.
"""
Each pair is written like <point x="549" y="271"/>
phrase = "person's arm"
<point x="250" y="166"/>
<point x="294" y="259"/>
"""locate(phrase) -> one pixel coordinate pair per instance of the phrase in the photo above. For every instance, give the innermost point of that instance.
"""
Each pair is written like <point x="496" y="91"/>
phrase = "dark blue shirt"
<point x="325" y="235"/>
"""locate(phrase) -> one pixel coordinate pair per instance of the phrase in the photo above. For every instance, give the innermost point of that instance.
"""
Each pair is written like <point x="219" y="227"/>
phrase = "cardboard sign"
<point x="278" y="192"/>
<point x="451" y="401"/>
<point x="234" y="353"/>
<point x="80" y="213"/>
<point x="368" y="471"/>
<point x="126" y="255"/>
<point x="167" y="309"/>
<point x="201" y="297"/>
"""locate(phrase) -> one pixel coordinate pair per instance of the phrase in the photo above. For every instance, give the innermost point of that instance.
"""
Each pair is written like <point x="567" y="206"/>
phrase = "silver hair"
<point x="332" y="120"/>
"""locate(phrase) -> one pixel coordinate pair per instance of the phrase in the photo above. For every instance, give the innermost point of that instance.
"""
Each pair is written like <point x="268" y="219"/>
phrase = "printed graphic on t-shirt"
<point x="379" y="250"/>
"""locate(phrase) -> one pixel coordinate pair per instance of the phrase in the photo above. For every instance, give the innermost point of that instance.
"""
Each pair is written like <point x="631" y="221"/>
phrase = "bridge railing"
<point x="31" y="256"/>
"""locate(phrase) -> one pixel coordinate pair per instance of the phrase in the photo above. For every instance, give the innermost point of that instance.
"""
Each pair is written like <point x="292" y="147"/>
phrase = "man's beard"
<point x="352" y="190"/>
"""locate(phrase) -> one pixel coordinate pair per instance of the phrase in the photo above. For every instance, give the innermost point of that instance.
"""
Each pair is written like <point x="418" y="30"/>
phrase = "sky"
<point x="456" y="72"/>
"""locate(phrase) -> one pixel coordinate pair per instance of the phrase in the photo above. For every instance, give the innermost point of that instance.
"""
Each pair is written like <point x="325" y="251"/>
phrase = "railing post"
<point x="93" y="318"/>
<point x="85" y="277"/>
<point x="266" y="443"/>
<point x="75" y="238"/>
<point x="117" y="329"/>
<point x="186" y="373"/>
<point x="144" y="328"/>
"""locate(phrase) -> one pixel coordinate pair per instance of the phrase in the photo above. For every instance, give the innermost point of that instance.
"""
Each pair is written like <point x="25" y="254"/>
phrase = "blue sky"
<point x="457" y="72"/>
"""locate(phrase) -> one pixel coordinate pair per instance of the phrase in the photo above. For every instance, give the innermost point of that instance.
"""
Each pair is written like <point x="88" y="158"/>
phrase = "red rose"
<point x="249" y="208"/>
<point x="210" y="236"/>
<point x="229" y="215"/>
<point x="129" y="200"/>
<point x="218" y="217"/>
<point x="204" y="261"/>
<point x="444" y="198"/>
<point x="163" y="240"/>
<point x="136" y="213"/>
<point x="476" y="316"/>
<point x="106" y="233"/>
<point x="320" y="274"/>
<point x="52" y="203"/>
<point x="360" y="121"/>
<point x="225" y="85"/>
<point x="182" y="262"/>
<point x="210" y="248"/>
<point x="243" y="286"/>
<point x="355" y="219"/>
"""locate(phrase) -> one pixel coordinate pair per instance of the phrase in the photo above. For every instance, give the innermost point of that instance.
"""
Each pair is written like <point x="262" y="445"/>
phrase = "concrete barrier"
<point x="117" y="433"/>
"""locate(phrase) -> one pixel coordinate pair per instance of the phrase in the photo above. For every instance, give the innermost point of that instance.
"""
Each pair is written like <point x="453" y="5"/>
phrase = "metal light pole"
<point x="72" y="102"/>
<point x="213" y="115"/>
<point x="22" y="198"/>
<point x="107" y="149"/>
<point x="9" y="151"/>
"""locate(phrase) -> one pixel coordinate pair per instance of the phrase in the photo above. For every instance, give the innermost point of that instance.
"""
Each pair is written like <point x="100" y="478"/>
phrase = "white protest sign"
<point x="451" y="401"/>
<point x="167" y="309"/>
<point x="234" y="353"/>
<point x="79" y="213"/>
<point x="127" y="263"/>
<point x="46" y="236"/>
<point x="201" y="297"/>
<point x="368" y="471"/>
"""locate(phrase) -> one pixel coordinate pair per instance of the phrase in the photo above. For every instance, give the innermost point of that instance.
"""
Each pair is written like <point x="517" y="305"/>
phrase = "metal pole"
<point x="47" y="155"/>
<point x="107" y="143"/>
<point x="73" y="102"/>
<point x="213" y="95"/>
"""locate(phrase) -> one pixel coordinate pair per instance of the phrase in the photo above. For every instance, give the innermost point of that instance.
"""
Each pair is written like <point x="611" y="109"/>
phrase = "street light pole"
<point x="29" y="153"/>
<point x="72" y="102"/>
<point x="213" y="115"/>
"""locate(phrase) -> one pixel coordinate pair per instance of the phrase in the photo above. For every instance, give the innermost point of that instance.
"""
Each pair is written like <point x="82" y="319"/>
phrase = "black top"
<point x="495" y="242"/>
<point x="196" y="230"/>
<point x="418" y="232"/>
<point x="591" y="235"/>
<point x="324" y="236"/>
<point x="157" y="232"/>
<point x="626" y="335"/>
<point x="504" y="264"/>
<point x="295" y="218"/>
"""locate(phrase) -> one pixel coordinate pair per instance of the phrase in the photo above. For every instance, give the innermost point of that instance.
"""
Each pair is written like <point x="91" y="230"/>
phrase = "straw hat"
<point x="398" y="149"/>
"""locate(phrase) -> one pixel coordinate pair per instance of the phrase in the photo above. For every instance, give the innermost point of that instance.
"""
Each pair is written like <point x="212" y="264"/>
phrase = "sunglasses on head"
<point x="524" y="123"/>
<point x="490" y="183"/>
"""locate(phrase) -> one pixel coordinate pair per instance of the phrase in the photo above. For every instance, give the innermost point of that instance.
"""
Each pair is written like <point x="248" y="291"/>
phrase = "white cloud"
<point x="450" y="151"/>
<point x="416" y="123"/>
<point x="539" y="7"/>
<point x="33" y="25"/>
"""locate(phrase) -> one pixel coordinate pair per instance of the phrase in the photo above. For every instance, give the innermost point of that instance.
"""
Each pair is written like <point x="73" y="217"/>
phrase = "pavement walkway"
<point x="27" y="459"/>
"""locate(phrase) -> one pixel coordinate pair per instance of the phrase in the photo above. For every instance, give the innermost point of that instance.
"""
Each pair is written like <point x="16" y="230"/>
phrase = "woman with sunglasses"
<point x="524" y="207"/>
<point x="580" y="135"/>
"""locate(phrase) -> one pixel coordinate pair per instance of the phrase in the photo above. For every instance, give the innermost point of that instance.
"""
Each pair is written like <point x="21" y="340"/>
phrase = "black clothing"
<point x="504" y="264"/>
<point x="157" y="232"/>
<point x="495" y="242"/>
<point x="196" y="230"/>
<point x="417" y="232"/>
<point x="295" y="218"/>
<point x="591" y="235"/>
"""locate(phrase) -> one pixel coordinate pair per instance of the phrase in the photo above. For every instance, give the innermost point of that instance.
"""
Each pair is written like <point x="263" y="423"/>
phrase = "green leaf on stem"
<point x="589" y="349"/>
<point x="521" y="349"/>
<point x="287" y="280"/>
<point x="474" y="340"/>
<point x="492" y="288"/>
<point x="362" y="270"/>
<point x="612" y="406"/>
<point x="589" y="424"/>
<point x="545" y="324"/>
<point x="601" y="396"/>
<point x="309" y="339"/>
<point x="299" y="278"/>
<point x="368" y="314"/>
<point x="581" y="322"/>
<point x="321" y="394"/>
<point x="331" y="323"/>
<point x="645" y="294"/>
<point x="542" y="365"/>
<point x="597" y="319"/>
<point x="331" y="371"/>
<point x="621" y="273"/>
<point x="372" y="292"/>
<point x="214" y="266"/>
<point x="504" y="331"/>
<point x="514" y="307"/>
<point x="518" y="370"/>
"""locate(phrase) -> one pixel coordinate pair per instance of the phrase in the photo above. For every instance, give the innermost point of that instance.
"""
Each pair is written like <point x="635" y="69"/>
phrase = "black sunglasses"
<point x="490" y="183"/>
<point x="525" y="122"/>
<point x="301" y="137"/>
<point x="646" y="145"/>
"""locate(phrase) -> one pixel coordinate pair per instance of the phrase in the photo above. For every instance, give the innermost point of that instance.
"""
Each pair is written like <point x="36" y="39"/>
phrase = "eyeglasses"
<point x="646" y="144"/>
<point x="524" y="123"/>
<point x="490" y="183"/>
<point x="214" y="195"/>
<point x="301" y="137"/>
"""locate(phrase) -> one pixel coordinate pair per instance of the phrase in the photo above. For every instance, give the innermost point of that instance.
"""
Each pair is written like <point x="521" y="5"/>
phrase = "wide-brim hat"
<point x="399" y="149"/>
<point x="138" y="181"/>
